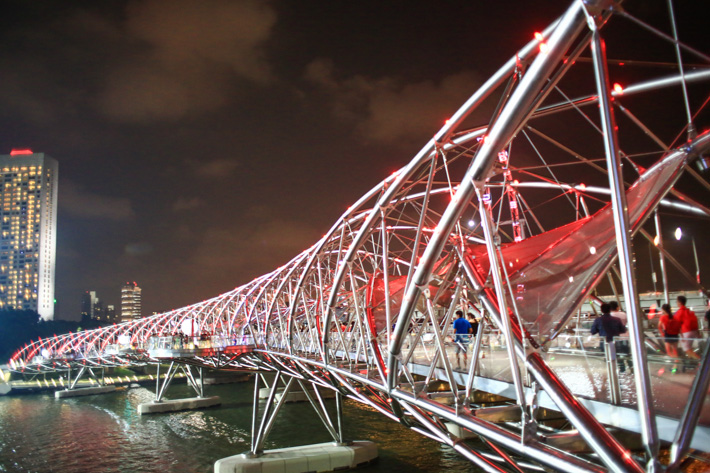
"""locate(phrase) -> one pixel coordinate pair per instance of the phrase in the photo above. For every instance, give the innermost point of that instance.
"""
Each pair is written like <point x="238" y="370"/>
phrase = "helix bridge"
<point x="534" y="193"/>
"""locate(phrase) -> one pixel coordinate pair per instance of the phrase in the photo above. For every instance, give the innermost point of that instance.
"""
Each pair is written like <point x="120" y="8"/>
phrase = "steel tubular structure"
<point x="515" y="211"/>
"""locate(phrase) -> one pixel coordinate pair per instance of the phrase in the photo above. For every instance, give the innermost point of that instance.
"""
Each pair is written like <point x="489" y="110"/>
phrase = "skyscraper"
<point x="89" y="304"/>
<point x="110" y="313"/>
<point x="28" y="231"/>
<point x="130" y="302"/>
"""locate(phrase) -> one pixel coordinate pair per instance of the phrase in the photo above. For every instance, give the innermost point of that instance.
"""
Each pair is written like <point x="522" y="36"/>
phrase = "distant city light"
<point x="678" y="233"/>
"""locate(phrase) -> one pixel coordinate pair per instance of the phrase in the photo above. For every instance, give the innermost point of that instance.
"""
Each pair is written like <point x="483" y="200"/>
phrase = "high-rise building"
<point x="130" y="302"/>
<point x="28" y="231"/>
<point x="110" y="313"/>
<point x="93" y="308"/>
<point x="89" y="304"/>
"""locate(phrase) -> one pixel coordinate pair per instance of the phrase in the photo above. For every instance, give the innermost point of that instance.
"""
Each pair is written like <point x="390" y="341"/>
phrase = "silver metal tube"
<point x="612" y="372"/>
<point x="676" y="264"/>
<point x="544" y="454"/>
<point x="256" y="444"/>
<point x="499" y="135"/>
<point x="167" y="380"/>
<point x="275" y="412"/>
<point x="474" y="358"/>
<point x="695" y="256"/>
<point x="339" y="414"/>
<point x="607" y="447"/>
<point x="447" y="321"/>
<point x="422" y="215"/>
<point x="490" y="236"/>
<point x="623" y="242"/>
<point x="482" y="462"/>
<point x="442" y="348"/>
<point x="661" y="258"/>
<point x="386" y="277"/>
<point x="255" y="410"/>
<point x="691" y="414"/>
<point x="647" y="86"/>
<point x="684" y="87"/>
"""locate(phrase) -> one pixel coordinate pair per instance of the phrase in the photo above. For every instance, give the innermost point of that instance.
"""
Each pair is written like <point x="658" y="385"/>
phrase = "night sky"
<point x="204" y="143"/>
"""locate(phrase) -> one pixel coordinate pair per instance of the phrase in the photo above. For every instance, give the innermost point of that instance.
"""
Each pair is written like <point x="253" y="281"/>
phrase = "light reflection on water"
<point x="105" y="434"/>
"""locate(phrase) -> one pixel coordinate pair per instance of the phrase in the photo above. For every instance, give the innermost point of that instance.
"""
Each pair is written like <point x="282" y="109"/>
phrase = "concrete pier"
<point x="308" y="458"/>
<point x="174" y="405"/>
<point x="83" y="391"/>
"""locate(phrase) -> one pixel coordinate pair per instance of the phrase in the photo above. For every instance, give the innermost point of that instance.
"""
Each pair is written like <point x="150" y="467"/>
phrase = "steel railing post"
<point x="612" y="372"/>
<point x="691" y="414"/>
<point x="623" y="243"/>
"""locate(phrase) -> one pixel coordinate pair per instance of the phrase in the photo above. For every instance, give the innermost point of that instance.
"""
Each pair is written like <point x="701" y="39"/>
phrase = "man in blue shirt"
<point x="607" y="325"/>
<point x="462" y="331"/>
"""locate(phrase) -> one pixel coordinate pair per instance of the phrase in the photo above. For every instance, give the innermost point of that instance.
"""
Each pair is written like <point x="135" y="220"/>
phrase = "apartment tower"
<point x="130" y="302"/>
<point x="28" y="231"/>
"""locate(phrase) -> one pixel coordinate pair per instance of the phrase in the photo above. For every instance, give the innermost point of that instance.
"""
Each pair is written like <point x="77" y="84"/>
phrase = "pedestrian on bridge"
<point x="669" y="328"/>
<point x="608" y="327"/>
<point x="462" y="336"/>
<point x="689" y="327"/>
<point x="622" y="343"/>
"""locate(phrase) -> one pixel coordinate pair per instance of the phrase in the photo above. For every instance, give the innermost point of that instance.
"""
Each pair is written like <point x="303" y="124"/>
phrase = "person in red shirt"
<point x="669" y="327"/>
<point x="689" y="327"/>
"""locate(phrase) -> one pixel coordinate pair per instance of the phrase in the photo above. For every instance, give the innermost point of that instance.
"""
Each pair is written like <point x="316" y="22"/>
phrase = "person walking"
<point x="688" y="329"/>
<point x="607" y="326"/>
<point x="669" y="328"/>
<point x="462" y="336"/>
<point x="474" y="325"/>
<point x="622" y="342"/>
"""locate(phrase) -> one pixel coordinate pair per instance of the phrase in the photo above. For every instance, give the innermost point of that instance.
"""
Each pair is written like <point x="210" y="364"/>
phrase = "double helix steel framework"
<point x="534" y="192"/>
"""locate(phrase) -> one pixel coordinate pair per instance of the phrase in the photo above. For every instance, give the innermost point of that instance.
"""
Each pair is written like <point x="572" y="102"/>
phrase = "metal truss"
<point x="515" y="210"/>
<point x="194" y="376"/>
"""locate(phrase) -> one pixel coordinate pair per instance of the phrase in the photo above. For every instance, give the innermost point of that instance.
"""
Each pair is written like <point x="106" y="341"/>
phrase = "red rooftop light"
<point x="18" y="152"/>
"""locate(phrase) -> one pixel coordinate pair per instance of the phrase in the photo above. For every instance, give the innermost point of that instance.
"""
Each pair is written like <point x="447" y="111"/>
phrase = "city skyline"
<point x="194" y="168"/>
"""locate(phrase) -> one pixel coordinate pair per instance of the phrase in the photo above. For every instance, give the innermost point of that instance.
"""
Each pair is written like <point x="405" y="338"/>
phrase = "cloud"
<point x="184" y="203"/>
<point x="252" y="249"/>
<point x="216" y="168"/>
<point x="138" y="249"/>
<point x="186" y="56"/>
<point x="387" y="109"/>
<point x="77" y="202"/>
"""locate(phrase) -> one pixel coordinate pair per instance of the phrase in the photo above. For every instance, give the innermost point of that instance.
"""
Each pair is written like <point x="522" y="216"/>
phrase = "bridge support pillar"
<point x="72" y="391"/>
<point x="319" y="457"/>
<point x="337" y="455"/>
<point x="159" y="404"/>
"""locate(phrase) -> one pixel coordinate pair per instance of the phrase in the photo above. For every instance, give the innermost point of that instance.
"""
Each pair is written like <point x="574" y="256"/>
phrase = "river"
<point x="104" y="433"/>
